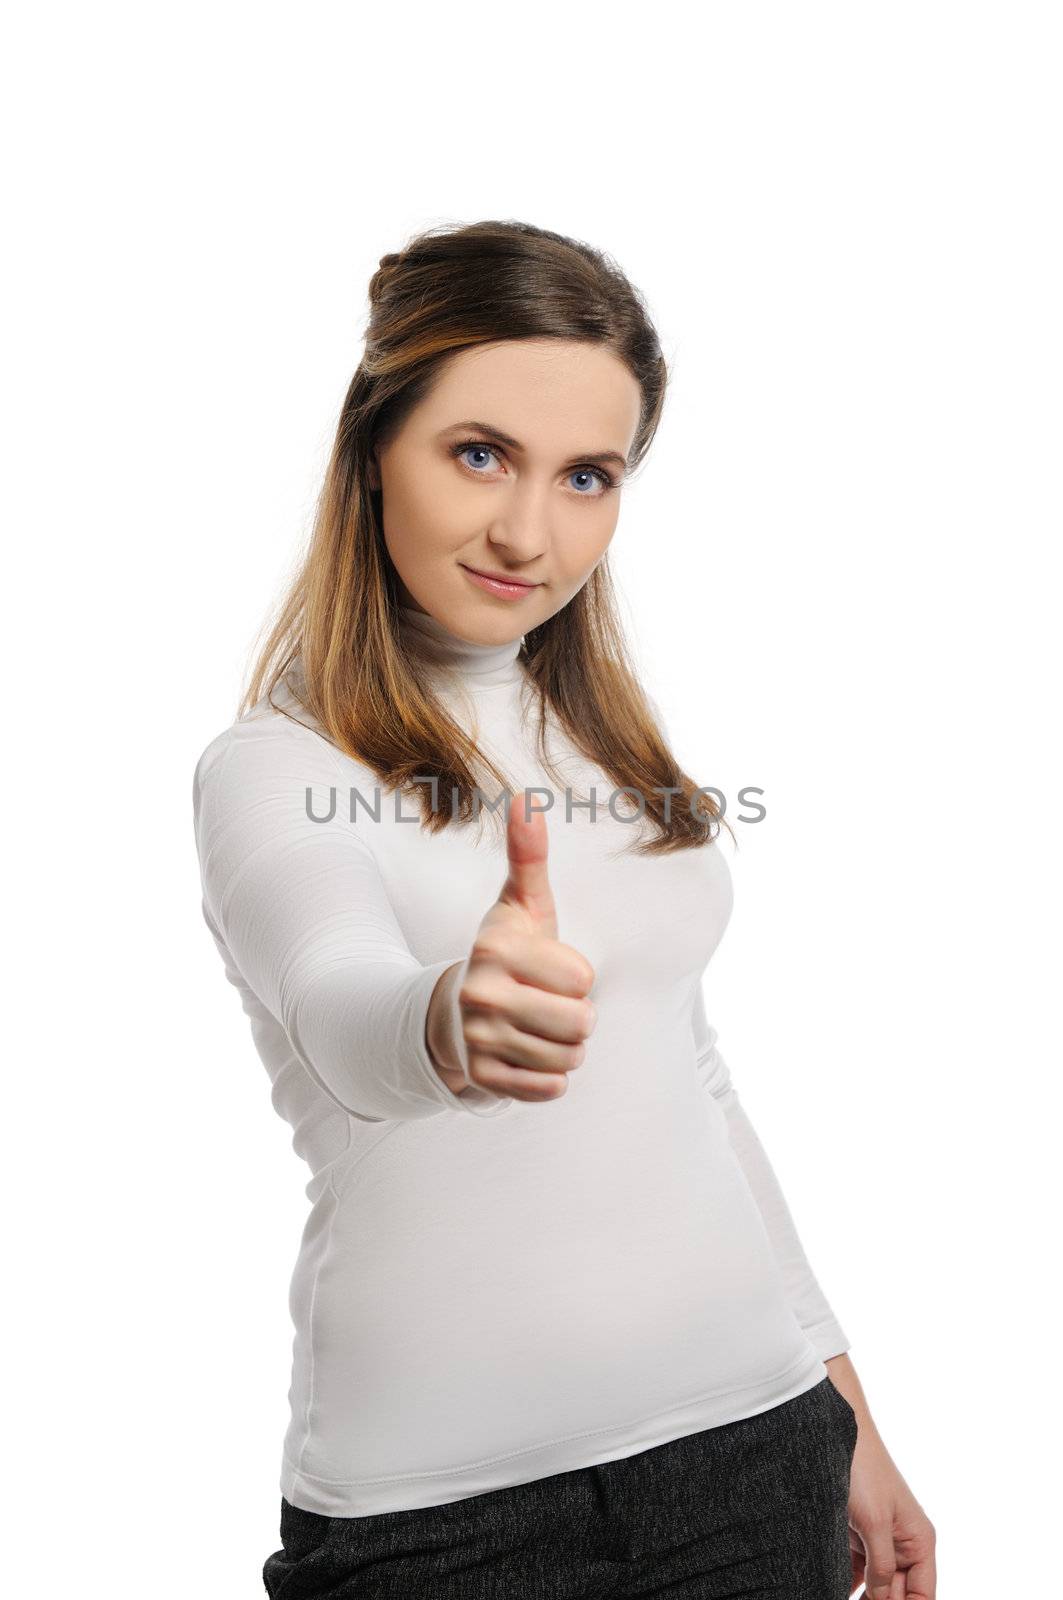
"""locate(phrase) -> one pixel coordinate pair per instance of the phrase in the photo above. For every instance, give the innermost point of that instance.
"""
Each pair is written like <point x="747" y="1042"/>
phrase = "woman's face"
<point x="504" y="469"/>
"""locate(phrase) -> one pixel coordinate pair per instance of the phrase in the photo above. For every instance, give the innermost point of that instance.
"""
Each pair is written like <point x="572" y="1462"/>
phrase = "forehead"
<point x="542" y="391"/>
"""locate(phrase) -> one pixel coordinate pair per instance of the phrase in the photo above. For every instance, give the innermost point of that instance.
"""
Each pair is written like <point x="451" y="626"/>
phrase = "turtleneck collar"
<point x="480" y="665"/>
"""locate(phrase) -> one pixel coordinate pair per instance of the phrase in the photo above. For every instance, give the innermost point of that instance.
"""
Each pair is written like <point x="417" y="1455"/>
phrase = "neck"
<point x="480" y="665"/>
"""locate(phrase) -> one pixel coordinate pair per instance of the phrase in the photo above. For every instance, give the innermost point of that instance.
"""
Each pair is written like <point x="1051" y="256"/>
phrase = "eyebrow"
<point x="514" y="444"/>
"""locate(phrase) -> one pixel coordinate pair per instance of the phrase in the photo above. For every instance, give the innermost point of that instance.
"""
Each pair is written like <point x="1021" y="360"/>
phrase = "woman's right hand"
<point x="518" y="1000"/>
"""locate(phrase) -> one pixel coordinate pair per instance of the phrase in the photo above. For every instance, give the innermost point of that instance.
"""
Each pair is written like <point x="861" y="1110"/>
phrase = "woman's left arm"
<point x="891" y="1538"/>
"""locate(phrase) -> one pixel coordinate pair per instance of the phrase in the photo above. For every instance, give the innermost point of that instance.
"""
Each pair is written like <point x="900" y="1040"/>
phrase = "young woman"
<point x="555" y="1333"/>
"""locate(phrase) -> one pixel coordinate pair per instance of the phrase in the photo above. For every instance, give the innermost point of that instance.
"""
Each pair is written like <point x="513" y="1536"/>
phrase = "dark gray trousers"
<point x="753" y="1508"/>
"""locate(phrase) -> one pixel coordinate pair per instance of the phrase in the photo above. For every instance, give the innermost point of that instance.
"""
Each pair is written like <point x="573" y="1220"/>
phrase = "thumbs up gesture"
<point x="520" y="1004"/>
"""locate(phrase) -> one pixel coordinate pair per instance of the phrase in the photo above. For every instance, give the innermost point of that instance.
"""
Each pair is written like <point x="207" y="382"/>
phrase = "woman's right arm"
<point x="303" y="912"/>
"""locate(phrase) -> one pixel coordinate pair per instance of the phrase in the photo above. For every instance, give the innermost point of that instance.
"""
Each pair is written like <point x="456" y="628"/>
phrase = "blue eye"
<point x="466" y="449"/>
<point x="592" y="472"/>
<point x="479" y="447"/>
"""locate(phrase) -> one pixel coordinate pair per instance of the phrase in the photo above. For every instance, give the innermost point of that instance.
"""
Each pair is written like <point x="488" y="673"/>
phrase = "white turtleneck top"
<point x="492" y="1290"/>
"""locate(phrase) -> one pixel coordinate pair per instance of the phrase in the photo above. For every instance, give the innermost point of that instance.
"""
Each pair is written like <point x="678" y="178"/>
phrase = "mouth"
<point x="498" y="583"/>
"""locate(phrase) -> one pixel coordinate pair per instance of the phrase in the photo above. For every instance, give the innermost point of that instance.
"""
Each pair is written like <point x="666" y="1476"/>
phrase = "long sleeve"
<point x="304" y="914"/>
<point x="804" y="1294"/>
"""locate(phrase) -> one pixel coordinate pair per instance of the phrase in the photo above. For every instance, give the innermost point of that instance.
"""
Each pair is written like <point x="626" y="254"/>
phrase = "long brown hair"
<point x="450" y="289"/>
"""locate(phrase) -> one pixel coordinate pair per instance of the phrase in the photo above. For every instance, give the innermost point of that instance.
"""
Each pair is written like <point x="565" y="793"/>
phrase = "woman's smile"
<point x="505" y="588"/>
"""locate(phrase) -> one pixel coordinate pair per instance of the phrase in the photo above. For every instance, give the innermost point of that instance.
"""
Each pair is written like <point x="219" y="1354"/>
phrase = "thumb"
<point x="528" y="882"/>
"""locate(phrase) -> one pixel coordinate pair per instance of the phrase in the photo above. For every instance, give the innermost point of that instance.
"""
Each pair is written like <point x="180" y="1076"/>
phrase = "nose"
<point x="522" y="529"/>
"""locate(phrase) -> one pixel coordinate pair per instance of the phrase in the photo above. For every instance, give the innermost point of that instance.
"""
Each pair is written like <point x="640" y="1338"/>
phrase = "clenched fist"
<point x="511" y="1018"/>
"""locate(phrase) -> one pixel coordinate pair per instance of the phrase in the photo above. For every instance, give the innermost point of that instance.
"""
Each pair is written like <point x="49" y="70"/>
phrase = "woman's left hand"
<point x="892" y="1540"/>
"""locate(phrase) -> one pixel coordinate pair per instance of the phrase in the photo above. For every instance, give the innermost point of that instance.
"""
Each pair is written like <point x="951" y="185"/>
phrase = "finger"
<point x="546" y="1015"/>
<point x="528" y="1051"/>
<point x="881" y="1563"/>
<point x="921" y="1579"/>
<point x="503" y="950"/>
<point x="528" y="881"/>
<point x="494" y="1036"/>
<point x="519" y="1083"/>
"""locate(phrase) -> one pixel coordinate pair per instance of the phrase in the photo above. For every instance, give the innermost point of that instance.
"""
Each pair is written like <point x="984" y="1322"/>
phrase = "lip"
<point x="498" y="583"/>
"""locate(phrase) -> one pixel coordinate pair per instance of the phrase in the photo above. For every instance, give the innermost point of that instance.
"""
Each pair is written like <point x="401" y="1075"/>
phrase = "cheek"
<point x="585" y="538"/>
<point x="425" y="511"/>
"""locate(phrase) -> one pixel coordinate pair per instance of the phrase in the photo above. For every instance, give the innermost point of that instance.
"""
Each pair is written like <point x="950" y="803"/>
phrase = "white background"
<point x="839" y="573"/>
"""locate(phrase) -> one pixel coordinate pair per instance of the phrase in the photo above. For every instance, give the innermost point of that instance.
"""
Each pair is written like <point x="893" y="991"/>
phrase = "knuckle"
<point x="551" y="1087"/>
<point x="555" y="1089"/>
<point x="481" y="1076"/>
<point x="488" y="946"/>
<point x="476" y="996"/>
<point x="476" y="1029"/>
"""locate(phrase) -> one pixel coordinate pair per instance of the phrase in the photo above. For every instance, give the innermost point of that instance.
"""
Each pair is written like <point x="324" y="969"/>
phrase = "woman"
<point x="555" y="1333"/>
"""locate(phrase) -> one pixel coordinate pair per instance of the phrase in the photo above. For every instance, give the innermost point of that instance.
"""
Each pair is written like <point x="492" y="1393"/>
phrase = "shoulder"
<point x="275" y="747"/>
